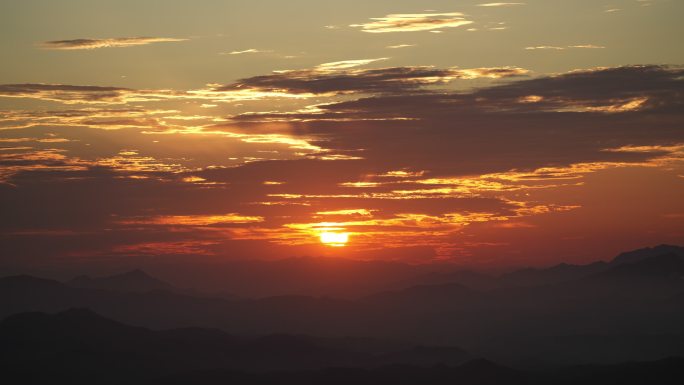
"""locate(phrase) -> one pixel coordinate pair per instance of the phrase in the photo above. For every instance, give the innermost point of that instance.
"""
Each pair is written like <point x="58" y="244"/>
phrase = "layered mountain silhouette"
<point x="559" y="273"/>
<point x="641" y="254"/>
<point x="629" y="310"/>
<point x="78" y="346"/>
<point x="481" y="372"/>
<point x="136" y="281"/>
<point x="565" y="272"/>
<point x="81" y="344"/>
<point x="328" y="277"/>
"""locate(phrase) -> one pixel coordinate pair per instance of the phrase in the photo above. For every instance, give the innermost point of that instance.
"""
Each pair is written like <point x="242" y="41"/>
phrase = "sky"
<point x="481" y="134"/>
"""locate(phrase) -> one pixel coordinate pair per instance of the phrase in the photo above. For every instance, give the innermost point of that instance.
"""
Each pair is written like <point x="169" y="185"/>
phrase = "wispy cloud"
<point x="561" y="48"/>
<point x="549" y="47"/>
<point x="400" y="46"/>
<point x="64" y="93"/>
<point x="346" y="64"/>
<point x="499" y="4"/>
<point x="99" y="118"/>
<point x="412" y="22"/>
<point x="490" y="72"/>
<point x="343" y="78"/>
<point x="247" y="51"/>
<point x="587" y="46"/>
<point x="194" y="220"/>
<point x="119" y="42"/>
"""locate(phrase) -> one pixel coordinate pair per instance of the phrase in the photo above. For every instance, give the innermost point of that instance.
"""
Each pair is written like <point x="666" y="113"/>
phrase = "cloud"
<point x="490" y="72"/>
<point x="247" y="51"/>
<point x="76" y="94"/>
<point x="587" y="46"/>
<point x="342" y="77"/>
<point x="621" y="89"/>
<point x="560" y="48"/>
<point x="64" y="93"/>
<point x="413" y="22"/>
<point x="552" y="47"/>
<point x="128" y="163"/>
<point x="193" y="220"/>
<point x="660" y="86"/>
<point x="499" y="4"/>
<point x="119" y="42"/>
<point x="603" y="90"/>
<point x="101" y="118"/>
<point x="346" y="64"/>
<point x="400" y="46"/>
<point x="456" y="166"/>
<point x="586" y="108"/>
<point x="325" y="79"/>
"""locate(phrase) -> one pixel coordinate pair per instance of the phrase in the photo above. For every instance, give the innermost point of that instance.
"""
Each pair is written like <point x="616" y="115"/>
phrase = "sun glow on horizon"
<point x="334" y="239"/>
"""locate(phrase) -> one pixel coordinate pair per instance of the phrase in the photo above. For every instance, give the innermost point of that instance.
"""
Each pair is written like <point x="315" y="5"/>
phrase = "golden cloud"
<point x="193" y="220"/>
<point x="413" y="22"/>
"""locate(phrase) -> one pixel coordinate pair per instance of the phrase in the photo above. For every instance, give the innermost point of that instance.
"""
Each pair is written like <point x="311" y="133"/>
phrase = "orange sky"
<point x="414" y="132"/>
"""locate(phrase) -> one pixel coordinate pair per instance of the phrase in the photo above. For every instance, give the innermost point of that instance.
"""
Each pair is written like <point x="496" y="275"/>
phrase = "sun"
<point x="330" y="238"/>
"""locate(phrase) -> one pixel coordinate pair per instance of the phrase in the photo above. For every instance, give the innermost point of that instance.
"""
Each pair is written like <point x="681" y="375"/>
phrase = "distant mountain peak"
<point x="28" y="280"/>
<point x="78" y="312"/>
<point x="648" y="252"/>
<point x="669" y="265"/>
<point x="137" y="273"/>
<point x="131" y="281"/>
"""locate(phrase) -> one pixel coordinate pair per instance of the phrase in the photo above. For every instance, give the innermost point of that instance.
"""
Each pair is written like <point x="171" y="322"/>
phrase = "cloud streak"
<point x="119" y="42"/>
<point x="499" y="4"/>
<point x="343" y="77"/>
<point x="64" y="93"/>
<point x="413" y="22"/>
<point x="561" y="48"/>
<point x="328" y="79"/>
<point x="247" y="51"/>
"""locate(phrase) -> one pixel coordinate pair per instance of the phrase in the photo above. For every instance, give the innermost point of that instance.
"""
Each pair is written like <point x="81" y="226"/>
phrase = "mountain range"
<point x="627" y="308"/>
<point x="78" y="346"/>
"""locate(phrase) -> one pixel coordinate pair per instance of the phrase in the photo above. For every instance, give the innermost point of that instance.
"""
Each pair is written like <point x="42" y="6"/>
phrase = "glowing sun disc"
<point x="334" y="239"/>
